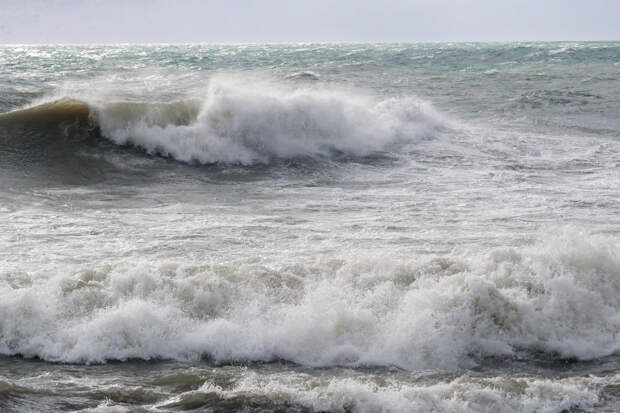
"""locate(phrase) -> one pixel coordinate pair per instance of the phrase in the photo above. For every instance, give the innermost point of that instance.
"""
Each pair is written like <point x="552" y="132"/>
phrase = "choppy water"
<point x="428" y="227"/>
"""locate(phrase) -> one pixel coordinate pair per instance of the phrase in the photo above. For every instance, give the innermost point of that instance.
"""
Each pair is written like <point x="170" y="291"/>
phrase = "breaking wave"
<point x="240" y="122"/>
<point x="558" y="297"/>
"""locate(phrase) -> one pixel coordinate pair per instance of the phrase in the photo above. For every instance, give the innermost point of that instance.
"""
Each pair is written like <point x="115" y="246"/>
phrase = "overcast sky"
<point x="217" y="21"/>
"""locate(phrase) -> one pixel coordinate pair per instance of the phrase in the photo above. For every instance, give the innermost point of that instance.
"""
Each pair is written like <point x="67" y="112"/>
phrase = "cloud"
<point x="111" y="21"/>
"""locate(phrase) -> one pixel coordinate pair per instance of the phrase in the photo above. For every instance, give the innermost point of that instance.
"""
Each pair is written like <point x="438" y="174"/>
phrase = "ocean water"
<point x="310" y="227"/>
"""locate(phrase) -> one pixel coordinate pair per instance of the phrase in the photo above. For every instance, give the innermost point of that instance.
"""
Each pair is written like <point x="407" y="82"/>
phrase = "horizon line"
<point x="244" y="43"/>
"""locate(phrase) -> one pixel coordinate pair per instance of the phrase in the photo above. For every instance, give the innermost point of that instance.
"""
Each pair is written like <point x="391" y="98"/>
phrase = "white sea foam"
<point x="243" y="121"/>
<point x="558" y="297"/>
<point x="378" y="394"/>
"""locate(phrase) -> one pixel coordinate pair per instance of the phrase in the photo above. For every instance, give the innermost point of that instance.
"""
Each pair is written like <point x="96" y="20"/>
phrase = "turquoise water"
<point x="310" y="227"/>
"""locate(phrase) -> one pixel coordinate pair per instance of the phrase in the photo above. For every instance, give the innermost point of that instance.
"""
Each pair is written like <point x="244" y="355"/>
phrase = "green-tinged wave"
<point x="236" y="123"/>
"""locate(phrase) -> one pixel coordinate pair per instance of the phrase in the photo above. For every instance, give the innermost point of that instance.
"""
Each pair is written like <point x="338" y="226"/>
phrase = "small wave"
<point x="304" y="75"/>
<point x="377" y="394"/>
<point x="542" y="97"/>
<point x="9" y="388"/>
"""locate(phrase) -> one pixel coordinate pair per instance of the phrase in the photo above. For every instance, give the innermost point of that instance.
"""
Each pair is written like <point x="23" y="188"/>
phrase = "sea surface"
<point x="310" y="228"/>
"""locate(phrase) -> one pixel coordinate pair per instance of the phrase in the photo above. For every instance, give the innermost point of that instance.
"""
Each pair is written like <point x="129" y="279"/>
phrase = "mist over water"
<point x="310" y="227"/>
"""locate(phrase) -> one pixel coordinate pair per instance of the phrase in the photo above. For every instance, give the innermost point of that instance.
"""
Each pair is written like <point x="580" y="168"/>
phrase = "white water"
<point x="426" y="263"/>
<point x="557" y="296"/>
<point x="248" y="122"/>
<point x="376" y="394"/>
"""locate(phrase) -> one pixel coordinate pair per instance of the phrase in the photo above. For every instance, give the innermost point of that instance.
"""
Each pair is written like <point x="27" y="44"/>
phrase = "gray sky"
<point x="215" y="21"/>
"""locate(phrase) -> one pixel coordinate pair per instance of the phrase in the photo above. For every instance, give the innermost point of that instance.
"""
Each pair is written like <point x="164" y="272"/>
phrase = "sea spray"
<point x="246" y="122"/>
<point x="243" y="122"/>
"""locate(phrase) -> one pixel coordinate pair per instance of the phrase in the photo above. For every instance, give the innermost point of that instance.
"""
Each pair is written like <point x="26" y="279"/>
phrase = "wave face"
<point x="122" y="114"/>
<point x="47" y="114"/>
<point x="243" y="123"/>
<point x="559" y="298"/>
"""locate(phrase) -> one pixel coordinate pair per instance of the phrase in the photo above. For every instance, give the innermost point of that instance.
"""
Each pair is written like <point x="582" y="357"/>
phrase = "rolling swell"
<point x="236" y="123"/>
